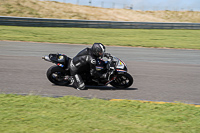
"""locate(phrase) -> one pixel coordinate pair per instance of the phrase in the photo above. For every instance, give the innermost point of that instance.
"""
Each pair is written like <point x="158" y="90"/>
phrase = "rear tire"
<point x="122" y="81"/>
<point x="57" y="75"/>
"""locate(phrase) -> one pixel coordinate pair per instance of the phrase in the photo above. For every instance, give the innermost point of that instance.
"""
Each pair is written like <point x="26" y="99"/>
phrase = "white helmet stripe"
<point x="102" y="48"/>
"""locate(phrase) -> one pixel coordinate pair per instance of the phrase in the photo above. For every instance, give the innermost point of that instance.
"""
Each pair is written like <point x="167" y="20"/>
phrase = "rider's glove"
<point x="104" y="76"/>
<point x="107" y="55"/>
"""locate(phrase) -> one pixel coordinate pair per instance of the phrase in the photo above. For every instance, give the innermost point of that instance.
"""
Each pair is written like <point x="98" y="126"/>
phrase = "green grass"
<point x="36" y="114"/>
<point x="186" y="39"/>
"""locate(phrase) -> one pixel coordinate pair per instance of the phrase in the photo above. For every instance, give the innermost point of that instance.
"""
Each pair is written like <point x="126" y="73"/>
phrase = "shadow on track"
<point x="108" y="88"/>
<point x="100" y="87"/>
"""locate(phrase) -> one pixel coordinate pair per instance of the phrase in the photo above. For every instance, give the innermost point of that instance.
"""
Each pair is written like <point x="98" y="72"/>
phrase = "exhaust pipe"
<point x="46" y="58"/>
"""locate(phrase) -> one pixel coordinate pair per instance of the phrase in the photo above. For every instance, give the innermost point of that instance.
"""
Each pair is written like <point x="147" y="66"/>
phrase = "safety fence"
<point x="45" y="22"/>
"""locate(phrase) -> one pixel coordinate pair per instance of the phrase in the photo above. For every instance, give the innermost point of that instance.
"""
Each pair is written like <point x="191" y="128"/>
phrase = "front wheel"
<point x="122" y="81"/>
<point x="58" y="76"/>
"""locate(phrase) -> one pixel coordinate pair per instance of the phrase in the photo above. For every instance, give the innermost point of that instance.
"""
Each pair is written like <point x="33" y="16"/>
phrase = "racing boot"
<point x="78" y="82"/>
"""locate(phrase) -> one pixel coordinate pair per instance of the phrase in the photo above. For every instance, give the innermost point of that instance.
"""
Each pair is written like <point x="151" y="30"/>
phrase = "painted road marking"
<point x="156" y="102"/>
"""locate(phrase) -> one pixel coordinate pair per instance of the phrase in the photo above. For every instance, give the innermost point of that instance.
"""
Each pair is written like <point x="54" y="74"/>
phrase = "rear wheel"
<point x="58" y="76"/>
<point x="122" y="81"/>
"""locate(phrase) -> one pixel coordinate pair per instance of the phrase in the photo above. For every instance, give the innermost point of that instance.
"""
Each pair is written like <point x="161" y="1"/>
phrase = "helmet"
<point x="98" y="49"/>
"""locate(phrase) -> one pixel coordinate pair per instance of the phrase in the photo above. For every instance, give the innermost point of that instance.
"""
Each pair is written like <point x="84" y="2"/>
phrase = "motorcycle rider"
<point x="86" y="60"/>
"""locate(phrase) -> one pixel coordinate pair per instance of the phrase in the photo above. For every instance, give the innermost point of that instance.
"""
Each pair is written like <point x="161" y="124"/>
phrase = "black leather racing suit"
<point x="83" y="61"/>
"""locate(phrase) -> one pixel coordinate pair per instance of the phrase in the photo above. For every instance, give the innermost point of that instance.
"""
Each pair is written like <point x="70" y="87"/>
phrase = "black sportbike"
<point x="118" y="76"/>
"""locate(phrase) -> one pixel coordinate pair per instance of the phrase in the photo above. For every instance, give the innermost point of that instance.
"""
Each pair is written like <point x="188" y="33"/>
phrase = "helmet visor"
<point x="101" y="54"/>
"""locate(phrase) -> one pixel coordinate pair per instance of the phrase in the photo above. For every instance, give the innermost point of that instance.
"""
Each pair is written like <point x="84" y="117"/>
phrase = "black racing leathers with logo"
<point x="82" y="62"/>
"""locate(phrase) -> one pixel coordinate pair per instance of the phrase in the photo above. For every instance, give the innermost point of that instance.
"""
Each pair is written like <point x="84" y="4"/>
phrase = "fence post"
<point x="102" y="4"/>
<point x="113" y="5"/>
<point x="90" y="2"/>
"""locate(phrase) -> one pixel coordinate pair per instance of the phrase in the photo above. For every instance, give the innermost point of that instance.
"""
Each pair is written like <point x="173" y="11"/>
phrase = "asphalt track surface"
<point x="170" y="75"/>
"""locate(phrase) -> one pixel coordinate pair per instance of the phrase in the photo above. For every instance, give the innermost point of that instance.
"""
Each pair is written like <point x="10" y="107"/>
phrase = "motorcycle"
<point x="118" y="76"/>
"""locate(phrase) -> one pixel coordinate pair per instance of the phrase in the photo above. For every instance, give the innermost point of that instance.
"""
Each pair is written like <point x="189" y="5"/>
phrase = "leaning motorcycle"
<point x="118" y="76"/>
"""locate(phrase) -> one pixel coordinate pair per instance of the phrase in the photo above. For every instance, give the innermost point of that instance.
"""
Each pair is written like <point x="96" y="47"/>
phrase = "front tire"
<point x="57" y="75"/>
<point x="122" y="81"/>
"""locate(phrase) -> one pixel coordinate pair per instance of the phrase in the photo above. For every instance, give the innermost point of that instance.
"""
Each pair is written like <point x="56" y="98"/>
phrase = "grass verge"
<point x="184" y="39"/>
<point x="72" y="114"/>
